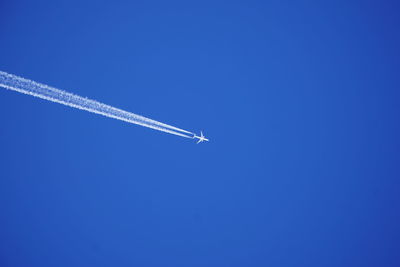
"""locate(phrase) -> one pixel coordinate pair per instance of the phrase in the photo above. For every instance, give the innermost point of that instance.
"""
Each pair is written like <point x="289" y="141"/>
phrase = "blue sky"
<point x="300" y="102"/>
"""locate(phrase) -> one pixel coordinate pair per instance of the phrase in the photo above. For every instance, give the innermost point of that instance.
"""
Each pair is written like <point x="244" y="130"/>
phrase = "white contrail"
<point x="32" y="88"/>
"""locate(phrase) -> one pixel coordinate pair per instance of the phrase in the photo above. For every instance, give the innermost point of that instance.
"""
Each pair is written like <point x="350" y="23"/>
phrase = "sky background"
<point x="300" y="102"/>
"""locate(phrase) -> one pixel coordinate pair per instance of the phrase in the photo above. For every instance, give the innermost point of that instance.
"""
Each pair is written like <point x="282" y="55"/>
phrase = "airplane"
<point x="201" y="138"/>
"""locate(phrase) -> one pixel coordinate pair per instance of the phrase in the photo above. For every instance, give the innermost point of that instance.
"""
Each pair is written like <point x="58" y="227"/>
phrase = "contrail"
<point x="25" y="86"/>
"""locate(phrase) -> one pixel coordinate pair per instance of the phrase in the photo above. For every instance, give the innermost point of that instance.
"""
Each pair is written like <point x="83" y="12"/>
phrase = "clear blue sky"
<point x="300" y="101"/>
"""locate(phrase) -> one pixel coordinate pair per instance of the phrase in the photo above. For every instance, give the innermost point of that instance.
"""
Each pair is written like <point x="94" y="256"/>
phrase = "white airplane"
<point x="201" y="138"/>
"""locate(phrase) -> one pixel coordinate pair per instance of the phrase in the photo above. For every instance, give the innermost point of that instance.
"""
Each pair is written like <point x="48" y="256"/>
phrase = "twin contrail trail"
<point x="25" y="86"/>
